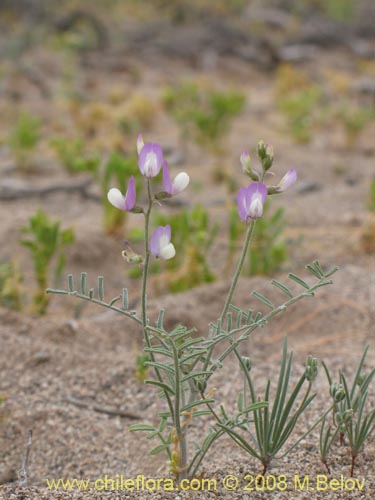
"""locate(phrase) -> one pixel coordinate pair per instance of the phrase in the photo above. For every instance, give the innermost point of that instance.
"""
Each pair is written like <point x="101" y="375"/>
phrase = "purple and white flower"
<point x="150" y="157"/>
<point x="160" y="243"/>
<point x="118" y="200"/>
<point x="250" y="201"/>
<point x="179" y="183"/>
<point x="287" y="181"/>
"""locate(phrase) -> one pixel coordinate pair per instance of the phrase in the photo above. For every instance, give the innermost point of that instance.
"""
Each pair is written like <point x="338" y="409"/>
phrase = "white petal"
<point x="180" y="182"/>
<point x="116" y="198"/>
<point x="256" y="208"/>
<point x="167" y="252"/>
<point x="151" y="166"/>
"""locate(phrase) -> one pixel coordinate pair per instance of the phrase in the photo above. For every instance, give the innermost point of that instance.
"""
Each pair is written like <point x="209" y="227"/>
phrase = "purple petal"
<point x="167" y="183"/>
<point x="242" y="203"/>
<point x="130" y="195"/>
<point x="287" y="181"/>
<point x="150" y="159"/>
<point x="250" y="200"/>
<point x="155" y="241"/>
<point x="257" y="187"/>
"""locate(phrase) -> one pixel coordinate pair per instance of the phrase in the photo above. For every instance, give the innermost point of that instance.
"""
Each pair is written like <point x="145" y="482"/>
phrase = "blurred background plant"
<point x="203" y="113"/>
<point x="141" y="367"/>
<point x="72" y="155"/>
<point x="354" y="119"/>
<point x="138" y="114"/>
<point x="371" y="203"/>
<point x="367" y="238"/>
<point x="11" y="295"/>
<point x="298" y="99"/>
<point x="46" y="242"/>
<point x="24" y="140"/>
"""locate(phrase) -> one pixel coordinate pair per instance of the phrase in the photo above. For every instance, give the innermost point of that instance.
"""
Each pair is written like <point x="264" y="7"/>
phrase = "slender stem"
<point x="232" y="288"/>
<point x="240" y="264"/>
<point x="144" y="289"/>
<point x="146" y="264"/>
<point x="181" y="434"/>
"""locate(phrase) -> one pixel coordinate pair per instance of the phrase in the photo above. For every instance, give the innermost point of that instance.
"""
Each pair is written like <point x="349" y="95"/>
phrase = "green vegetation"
<point x="10" y="286"/>
<point x="371" y="204"/>
<point x="297" y="98"/>
<point x="141" y="367"/>
<point x="24" y="139"/>
<point x="354" y="120"/>
<point x="203" y="114"/>
<point x="46" y="241"/>
<point x="71" y="153"/>
<point x="349" y="419"/>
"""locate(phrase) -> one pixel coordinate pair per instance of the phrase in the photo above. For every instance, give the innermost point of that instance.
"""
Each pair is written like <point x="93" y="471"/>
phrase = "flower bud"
<point x="261" y="150"/>
<point x="201" y="384"/>
<point x="247" y="362"/>
<point x="348" y="415"/>
<point x="311" y="368"/>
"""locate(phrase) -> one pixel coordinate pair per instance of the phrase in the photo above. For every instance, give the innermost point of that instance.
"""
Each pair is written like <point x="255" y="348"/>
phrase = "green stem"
<point x="232" y="288"/>
<point x="181" y="434"/>
<point x="144" y="289"/>
<point x="146" y="264"/>
<point x="240" y="264"/>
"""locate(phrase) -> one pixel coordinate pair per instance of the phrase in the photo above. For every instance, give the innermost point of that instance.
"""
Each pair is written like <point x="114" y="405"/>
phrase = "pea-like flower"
<point x="250" y="201"/>
<point x="118" y="200"/>
<point x="287" y="181"/>
<point x="150" y="157"/>
<point x="160" y="243"/>
<point x="179" y="183"/>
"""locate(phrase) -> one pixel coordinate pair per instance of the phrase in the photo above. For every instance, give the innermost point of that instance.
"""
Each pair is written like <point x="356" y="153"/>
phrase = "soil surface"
<point x="61" y="375"/>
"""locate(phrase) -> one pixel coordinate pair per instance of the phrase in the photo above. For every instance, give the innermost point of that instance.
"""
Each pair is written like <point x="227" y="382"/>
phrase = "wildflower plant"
<point x="11" y="295"/>
<point x="46" y="242"/>
<point x="183" y="362"/>
<point x="349" y="418"/>
<point x="24" y="139"/>
<point x="271" y="426"/>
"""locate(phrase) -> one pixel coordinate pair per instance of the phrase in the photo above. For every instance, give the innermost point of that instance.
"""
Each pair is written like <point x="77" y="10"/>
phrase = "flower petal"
<point x="116" y="198"/>
<point x="167" y="183"/>
<point x="256" y="207"/>
<point x="180" y="182"/>
<point x="167" y="252"/>
<point x="155" y="241"/>
<point x="250" y="200"/>
<point x="257" y="187"/>
<point x="130" y="195"/>
<point x="287" y="181"/>
<point x="150" y="159"/>
<point x="242" y="203"/>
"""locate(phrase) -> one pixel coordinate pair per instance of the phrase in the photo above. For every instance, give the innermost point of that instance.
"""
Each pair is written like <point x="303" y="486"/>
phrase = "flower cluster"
<point x="250" y="199"/>
<point x="150" y="162"/>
